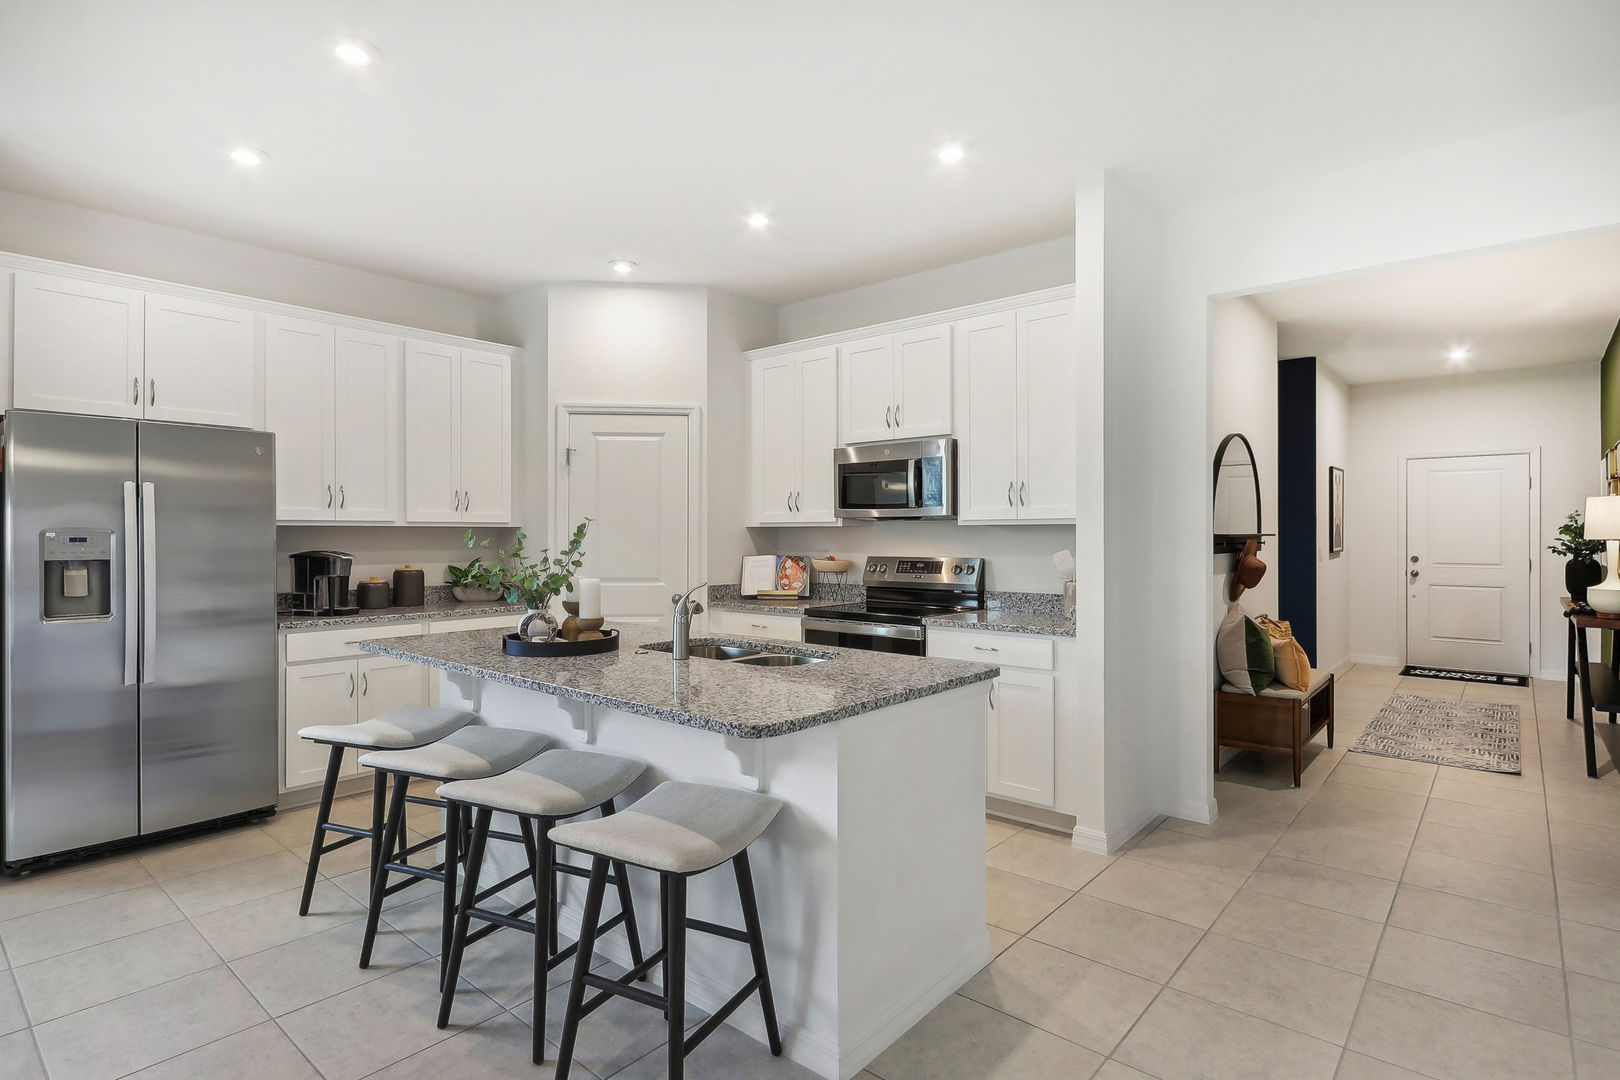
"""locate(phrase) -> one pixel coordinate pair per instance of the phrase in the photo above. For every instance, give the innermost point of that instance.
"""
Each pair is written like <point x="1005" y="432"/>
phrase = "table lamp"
<point x="1603" y="523"/>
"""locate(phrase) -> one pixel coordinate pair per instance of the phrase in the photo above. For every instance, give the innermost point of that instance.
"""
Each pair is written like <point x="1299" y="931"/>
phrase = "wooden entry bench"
<point x="1275" y="721"/>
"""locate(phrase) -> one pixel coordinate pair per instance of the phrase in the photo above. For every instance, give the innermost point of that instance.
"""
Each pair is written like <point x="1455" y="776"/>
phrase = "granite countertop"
<point x="733" y="699"/>
<point x="447" y="609"/>
<point x="1006" y="622"/>
<point x="794" y="608"/>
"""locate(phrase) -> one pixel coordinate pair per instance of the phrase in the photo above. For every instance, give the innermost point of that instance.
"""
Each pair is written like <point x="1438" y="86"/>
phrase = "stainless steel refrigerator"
<point x="139" y="671"/>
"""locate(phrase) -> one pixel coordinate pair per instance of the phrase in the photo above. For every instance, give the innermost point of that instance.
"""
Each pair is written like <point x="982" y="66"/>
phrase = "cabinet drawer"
<point x="990" y="647"/>
<point x="335" y="644"/>
<point x="480" y="622"/>
<point x="747" y="624"/>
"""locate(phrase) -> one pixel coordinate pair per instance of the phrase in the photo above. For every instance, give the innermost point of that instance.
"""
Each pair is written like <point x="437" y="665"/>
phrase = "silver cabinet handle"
<point x="466" y="500"/>
<point x="351" y="684"/>
<point x="992" y="697"/>
<point x="328" y="496"/>
<point x="343" y="496"/>
<point x="149" y="588"/>
<point x="757" y="626"/>
<point x="1021" y="501"/>
<point x="886" y="421"/>
<point x="796" y="507"/>
<point x="151" y="398"/>
<point x="897" y="414"/>
<point x="135" y="392"/>
<point x="985" y="648"/>
<point x="789" y="502"/>
<point x="1009" y="492"/>
<point x="458" y="499"/>
<point x="365" y="683"/>
<point x="132" y="585"/>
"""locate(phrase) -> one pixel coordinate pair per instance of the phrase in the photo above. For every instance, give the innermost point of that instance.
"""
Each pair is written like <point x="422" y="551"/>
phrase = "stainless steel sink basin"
<point x="724" y="652"/>
<point x="777" y="660"/>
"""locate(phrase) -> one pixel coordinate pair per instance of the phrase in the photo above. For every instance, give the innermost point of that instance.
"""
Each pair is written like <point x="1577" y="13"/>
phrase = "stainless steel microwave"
<point x="896" y="479"/>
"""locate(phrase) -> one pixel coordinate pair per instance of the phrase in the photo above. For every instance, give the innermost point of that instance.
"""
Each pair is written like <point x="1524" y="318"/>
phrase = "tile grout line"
<point x="1558" y="911"/>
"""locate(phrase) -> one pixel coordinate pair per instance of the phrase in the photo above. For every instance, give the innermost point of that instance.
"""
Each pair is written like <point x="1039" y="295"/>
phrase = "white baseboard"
<point x="903" y="1014"/>
<point x="1342" y="668"/>
<point x="1377" y="661"/>
<point x="1557" y="675"/>
<point x="1106" y="843"/>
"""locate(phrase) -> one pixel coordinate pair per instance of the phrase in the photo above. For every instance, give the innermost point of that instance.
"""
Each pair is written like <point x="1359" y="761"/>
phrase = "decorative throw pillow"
<point x="1243" y="651"/>
<point x="1293" y="666"/>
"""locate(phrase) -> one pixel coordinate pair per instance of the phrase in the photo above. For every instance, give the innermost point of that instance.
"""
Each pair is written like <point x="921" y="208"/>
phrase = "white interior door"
<point x="1467" y="563"/>
<point x="631" y="475"/>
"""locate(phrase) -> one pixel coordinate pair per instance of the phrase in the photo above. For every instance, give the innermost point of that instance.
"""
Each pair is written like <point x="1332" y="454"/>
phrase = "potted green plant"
<point x="1582" y="570"/>
<point x="478" y="582"/>
<point x="532" y="582"/>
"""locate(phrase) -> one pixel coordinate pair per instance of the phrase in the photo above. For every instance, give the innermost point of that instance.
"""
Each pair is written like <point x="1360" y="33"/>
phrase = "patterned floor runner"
<point x="1465" y="734"/>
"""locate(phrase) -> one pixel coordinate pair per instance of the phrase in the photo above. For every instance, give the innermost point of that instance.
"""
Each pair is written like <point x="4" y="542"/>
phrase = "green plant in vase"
<point x="478" y="581"/>
<point x="1583" y="570"/>
<point x="519" y="579"/>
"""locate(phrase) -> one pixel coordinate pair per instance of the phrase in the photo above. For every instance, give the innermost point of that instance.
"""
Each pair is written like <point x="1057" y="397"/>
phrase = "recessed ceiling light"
<point x="1457" y="353"/>
<point x="759" y="219"/>
<point x="622" y="266"/>
<point x="355" y="53"/>
<point x="247" y="157"/>
<point x="951" y="153"/>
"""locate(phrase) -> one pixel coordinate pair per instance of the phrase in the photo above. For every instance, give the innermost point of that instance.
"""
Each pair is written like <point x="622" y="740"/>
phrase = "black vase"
<point x="1580" y="575"/>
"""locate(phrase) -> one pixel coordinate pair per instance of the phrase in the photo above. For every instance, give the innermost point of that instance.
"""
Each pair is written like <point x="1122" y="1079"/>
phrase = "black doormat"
<point x="1465" y="676"/>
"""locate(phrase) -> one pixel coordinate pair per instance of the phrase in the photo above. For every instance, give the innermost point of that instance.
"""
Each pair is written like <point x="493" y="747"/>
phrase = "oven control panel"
<point x="954" y="571"/>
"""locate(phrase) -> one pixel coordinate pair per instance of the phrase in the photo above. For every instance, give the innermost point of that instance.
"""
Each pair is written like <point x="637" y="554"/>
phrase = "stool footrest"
<point x="610" y="987"/>
<point x="413" y="874"/>
<point x="425" y="800"/>
<point x="499" y="886"/>
<point x="717" y="930"/>
<point x="405" y="853"/>
<point x="327" y="849"/>
<point x="358" y="832"/>
<point x="705" y="1029"/>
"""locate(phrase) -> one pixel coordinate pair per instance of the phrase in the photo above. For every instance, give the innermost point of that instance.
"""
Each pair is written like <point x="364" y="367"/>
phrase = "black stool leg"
<point x="452" y="855"/>
<point x="379" y="805"/>
<point x="664" y="932"/>
<point x="675" y="989"/>
<point x="469" y="893"/>
<point x="545" y="887"/>
<point x="626" y="904"/>
<point x="582" y="965"/>
<point x="756" y="946"/>
<point x="391" y="831"/>
<point x="322" y="816"/>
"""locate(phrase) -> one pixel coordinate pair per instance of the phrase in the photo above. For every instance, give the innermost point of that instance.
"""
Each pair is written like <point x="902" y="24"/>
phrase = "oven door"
<point x="896" y="480"/>
<point x="873" y="637"/>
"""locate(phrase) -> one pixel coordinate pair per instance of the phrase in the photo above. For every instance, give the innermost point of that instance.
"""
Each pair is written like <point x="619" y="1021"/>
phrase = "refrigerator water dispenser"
<point x="76" y="574"/>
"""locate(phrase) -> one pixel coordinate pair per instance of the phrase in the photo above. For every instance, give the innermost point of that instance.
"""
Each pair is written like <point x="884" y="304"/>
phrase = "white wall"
<point x="1332" y="571"/>
<point x="1007" y="273"/>
<point x="54" y="230"/>
<point x="1018" y="558"/>
<point x="1243" y="398"/>
<point x="380" y="549"/>
<point x="522" y="317"/>
<point x="735" y="326"/>
<point x="1553" y="409"/>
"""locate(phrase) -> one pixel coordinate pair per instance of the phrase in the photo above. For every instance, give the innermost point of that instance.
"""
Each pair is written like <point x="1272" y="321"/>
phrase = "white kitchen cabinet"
<point x="1021" y="713"/>
<point x="319" y="693"/>
<point x="458" y="434"/>
<point x="367" y="427"/>
<point x="77" y="346"/>
<point x="299" y="398"/>
<point x="750" y="624"/>
<point x="202" y="363"/>
<point x="486" y="436"/>
<point x="387" y="683"/>
<point x="896" y="386"/>
<point x="1016" y="386"/>
<point x="794" y="432"/>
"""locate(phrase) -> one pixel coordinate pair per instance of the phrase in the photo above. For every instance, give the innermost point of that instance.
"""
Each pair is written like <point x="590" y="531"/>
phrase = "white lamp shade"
<point x="1603" y="517"/>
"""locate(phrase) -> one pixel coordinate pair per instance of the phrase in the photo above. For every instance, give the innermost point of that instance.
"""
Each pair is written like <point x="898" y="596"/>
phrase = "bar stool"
<point x="558" y="784"/>
<point x="678" y="830"/>
<point x="470" y="753"/>
<point x="404" y="728"/>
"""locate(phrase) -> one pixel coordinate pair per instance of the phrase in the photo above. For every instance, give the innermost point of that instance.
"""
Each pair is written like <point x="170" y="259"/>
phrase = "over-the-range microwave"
<point x="896" y="479"/>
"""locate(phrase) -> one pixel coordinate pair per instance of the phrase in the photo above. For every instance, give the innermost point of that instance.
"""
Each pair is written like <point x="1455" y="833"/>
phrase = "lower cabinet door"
<point x="747" y="624"/>
<point x="386" y="683"/>
<point x="1023" y="706"/>
<point x="323" y="693"/>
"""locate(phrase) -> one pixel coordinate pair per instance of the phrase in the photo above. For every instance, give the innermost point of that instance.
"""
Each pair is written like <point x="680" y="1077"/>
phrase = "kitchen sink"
<point x="776" y="659"/>
<point x="753" y="655"/>
<point x="725" y="652"/>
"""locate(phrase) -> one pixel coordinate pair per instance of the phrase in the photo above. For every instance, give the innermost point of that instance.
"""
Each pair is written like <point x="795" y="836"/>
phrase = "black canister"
<point x="410" y="587"/>
<point x="371" y="594"/>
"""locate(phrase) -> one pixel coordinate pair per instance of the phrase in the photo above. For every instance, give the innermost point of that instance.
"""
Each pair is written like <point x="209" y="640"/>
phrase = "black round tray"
<point x="513" y="645"/>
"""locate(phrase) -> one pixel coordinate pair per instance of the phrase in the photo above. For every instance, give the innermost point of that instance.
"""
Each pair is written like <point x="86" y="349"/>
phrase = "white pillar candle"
<point x="590" y="598"/>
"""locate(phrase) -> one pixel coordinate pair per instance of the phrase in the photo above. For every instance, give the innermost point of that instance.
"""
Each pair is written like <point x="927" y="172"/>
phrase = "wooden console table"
<point x="1600" y="685"/>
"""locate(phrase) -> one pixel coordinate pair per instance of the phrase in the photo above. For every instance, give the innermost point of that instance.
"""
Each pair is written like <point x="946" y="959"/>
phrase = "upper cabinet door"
<point x="432" y="432"/>
<point x="77" y="346"/>
<point x="1048" y="359"/>
<point x="987" y="411"/>
<point x="202" y="364"/>
<point x="368" y="426"/>
<point x="867" y="390"/>
<point x="486" y="436"/>
<point x="818" y="435"/>
<point x="775" y="438"/>
<point x="922" y="364"/>
<point x="298" y="382"/>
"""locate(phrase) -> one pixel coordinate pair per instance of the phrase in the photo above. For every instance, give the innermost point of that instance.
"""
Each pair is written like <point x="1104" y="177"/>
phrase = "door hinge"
<point x="568" y="455"/>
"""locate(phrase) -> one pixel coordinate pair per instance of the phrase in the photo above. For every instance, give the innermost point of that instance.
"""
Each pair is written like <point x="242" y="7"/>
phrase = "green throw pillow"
<point x="1243" y="651"/>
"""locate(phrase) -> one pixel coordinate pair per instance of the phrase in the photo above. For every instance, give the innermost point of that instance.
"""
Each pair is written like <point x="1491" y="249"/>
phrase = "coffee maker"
<point x="321" y="583"/>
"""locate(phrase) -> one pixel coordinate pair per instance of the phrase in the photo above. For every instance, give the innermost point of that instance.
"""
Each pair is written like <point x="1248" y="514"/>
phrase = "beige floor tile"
<point x="78" y="980"/>
<point x="1528" y="780"/>
<point x="1474" y="922"/>
<point x="13" y="1016"/>
<point x="1367" y="824"/>
<point x="89" y="922"/>
<point x="1000" y="940"/>
<point x="1391" y="764"/>
<point x="1047" y="857"/>
<point x="1070" y="996"/>
<point x="1594" y="1062"/>
<point x="326" y="1031"/>
<point x="1587" y="808"/>
<point x="52" y="889"/>
<point x="997" y="831"/>
<point x="1117" y="1070"/>
<point x="1377" y="800"/>
<point x="1310" y="998"/>
<point x="1592" y="904"/>
<point x="1584" y="836"/>
<point x="1331" y="846"/>
<point x="1259" y="803"/>
<point x="1325" y="886"/>
<point x="1492" y="982"/>
<point x="1303" y="930"/>
<point x="1354" y="1066"/>
<point x="1592" y="950"/>
<point x="1157" y="890"/>
<point x="237" y="845"/>
<point x="227" y="886"/>
<point x="267" y="1053"/>
<point x="611" y="1038"/>
<point x="1520" y="853"/>
<point x="963" y="1040"/>
<point x="1485" y="819"/>
<point x="18" y="1058"/>
<point x="500" y="1048"/>
<point x="1122" y="937"/>
<point x="728" y="1054"/>
<point x="301" y="972"/>
<point x="1017" y="903"/>
<point x="147" y="1027"/>
<point x="1349" y="772"/>
<point x="274" y="920"/>
<point x="1182" y="1037"/>
<point x="1593" y="1006"/>
<point x="1574" y="864"/>
<point x="1453" y="789"/>
<point x="1233" y="829"/>
<point x="1451" y="1042"/>
<point x="1481" y="881"/>
<point x="1210" y="859"/>
<point x="1438" y="689"/>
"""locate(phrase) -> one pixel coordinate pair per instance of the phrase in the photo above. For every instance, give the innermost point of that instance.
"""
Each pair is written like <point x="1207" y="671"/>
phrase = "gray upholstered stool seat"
<point x="398" y="729"/>
<point x="557" y="784"/>
<point x="677" y="828"/>
<point x="468" y="753"/>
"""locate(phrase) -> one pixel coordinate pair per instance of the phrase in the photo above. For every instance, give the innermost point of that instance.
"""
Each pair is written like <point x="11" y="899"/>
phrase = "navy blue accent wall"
<point x="1296" y="498"/>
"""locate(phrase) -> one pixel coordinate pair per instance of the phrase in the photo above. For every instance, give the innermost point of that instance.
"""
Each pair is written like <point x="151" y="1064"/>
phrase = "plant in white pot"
<point x="478" y="582"/>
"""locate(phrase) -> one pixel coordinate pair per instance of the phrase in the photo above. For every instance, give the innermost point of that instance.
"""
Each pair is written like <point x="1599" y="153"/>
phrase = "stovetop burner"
<point x="905" y="590"/>
<point x="902" y="614"/>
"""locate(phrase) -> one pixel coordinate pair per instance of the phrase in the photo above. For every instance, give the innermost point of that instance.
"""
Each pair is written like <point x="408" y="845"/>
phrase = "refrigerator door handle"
<point x="132" y="587"/>
<point x="148" y="582"/>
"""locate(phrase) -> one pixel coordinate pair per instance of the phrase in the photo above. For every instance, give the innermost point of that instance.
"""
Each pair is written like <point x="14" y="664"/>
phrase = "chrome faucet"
<point x="681" y="626"/>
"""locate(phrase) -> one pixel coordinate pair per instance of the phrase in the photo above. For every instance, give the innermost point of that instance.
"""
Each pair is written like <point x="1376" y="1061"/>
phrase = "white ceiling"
<point x="505" y="142"/>
<point x="1555" y="302"/>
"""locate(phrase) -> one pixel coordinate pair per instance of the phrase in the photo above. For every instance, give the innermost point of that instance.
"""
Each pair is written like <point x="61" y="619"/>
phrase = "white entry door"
<point x="631" y="475"/>
<point x="1468" y="563"/>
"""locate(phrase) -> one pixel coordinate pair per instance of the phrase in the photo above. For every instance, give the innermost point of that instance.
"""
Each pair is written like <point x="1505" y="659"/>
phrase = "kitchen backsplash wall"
<point x="379" y="550"/>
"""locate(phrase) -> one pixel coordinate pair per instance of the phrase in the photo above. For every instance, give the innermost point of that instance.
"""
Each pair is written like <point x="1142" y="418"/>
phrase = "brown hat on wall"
<point x="1248" y="570"/>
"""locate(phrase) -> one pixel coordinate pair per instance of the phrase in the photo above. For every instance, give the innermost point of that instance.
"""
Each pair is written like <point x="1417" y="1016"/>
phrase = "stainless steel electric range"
<point x="901" y="591"/>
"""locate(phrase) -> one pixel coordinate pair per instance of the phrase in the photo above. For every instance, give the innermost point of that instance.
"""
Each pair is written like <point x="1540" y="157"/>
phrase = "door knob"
<point x="1412" y="559"/>
<point x="1414" y="574"/>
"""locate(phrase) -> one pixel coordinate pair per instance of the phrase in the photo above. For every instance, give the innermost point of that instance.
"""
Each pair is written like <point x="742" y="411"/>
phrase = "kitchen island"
<point x="871" y="879"/>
